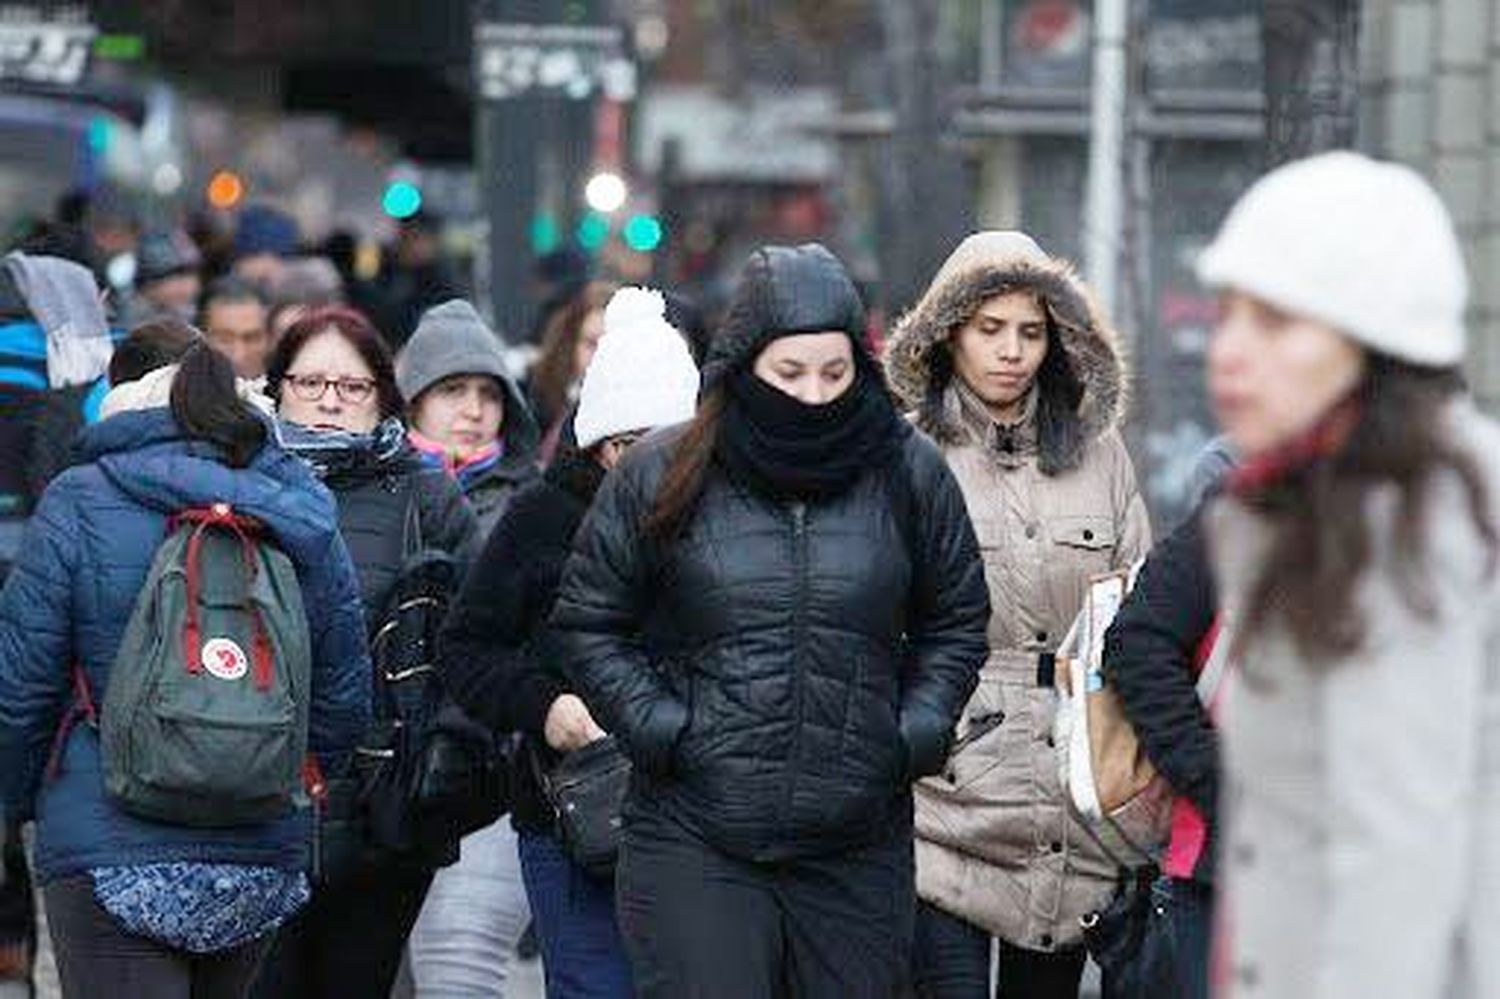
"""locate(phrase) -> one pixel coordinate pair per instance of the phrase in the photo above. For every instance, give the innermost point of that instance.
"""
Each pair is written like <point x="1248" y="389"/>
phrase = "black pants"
<point x="97" y="957"/>
<point x="348" y="941"/>
<point x="951" y="960"/>
<point x="17" y="913"/>
<point x="699" y="924"/>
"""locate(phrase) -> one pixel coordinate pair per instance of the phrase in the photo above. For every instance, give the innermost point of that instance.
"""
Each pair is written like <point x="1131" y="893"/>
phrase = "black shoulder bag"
<point x="586" y="789"/>
<point x="432" y="774"/>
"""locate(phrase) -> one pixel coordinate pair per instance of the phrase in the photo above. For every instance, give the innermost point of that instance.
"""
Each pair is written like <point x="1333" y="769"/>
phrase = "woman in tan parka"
<point x="1010" y="367"/>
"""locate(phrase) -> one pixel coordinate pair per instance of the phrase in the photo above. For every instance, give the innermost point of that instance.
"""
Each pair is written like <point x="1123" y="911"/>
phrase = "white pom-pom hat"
<point x="1364" y="246"/>
<point x="642" y="376"/>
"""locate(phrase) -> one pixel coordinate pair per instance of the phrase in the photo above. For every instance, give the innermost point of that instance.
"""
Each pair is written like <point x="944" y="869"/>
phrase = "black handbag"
<point x="1132" y="939"/>
<point x="430" y="774"/>
<point x="586" y="789"/>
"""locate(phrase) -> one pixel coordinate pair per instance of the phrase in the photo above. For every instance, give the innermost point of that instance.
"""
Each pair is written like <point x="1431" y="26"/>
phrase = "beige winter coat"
<point x="1362" y="798"/>
<point x="995" y="843"/>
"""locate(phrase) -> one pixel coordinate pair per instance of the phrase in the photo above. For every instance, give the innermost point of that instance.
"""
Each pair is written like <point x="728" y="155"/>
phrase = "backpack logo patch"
<point x="224" y="658"/>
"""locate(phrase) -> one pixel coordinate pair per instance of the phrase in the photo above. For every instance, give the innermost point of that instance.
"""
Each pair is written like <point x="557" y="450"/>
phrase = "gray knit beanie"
<point x="450" y="339"/>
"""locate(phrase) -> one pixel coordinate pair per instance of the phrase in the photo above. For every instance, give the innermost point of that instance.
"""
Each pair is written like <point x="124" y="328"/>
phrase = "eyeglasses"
<point x="311" y="388"/>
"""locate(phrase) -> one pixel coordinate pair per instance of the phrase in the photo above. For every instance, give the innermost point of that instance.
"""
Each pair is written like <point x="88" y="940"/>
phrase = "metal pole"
<point x="1103" y="210"/>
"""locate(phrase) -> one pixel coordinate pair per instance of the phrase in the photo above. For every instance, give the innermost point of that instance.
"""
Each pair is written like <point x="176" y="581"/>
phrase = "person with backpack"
<point x="496" y="656"/>
<point x="468" y="418"/>
<point x="1357" y="556"/>
<point x="144" y="664"/>
<point x="1013" y="371"/>
<point x="333" y="382"/>
<point x="777" y="611"/>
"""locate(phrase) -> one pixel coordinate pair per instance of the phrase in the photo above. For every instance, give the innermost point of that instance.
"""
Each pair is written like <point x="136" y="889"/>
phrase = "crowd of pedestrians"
<point x="729" y="660"/>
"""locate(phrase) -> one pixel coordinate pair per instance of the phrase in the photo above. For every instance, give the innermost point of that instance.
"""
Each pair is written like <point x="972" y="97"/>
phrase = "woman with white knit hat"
<point x="1356" y="551"/>
<point x="494" y="647"/>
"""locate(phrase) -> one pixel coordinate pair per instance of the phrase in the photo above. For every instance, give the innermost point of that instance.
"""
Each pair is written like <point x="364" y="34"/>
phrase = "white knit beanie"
<point x="1364" y="246"/>
<point x="642" y="375"/>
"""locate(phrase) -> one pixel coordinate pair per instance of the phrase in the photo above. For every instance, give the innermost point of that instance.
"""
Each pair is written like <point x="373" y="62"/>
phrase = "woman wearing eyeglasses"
<point x="334" y="384"/>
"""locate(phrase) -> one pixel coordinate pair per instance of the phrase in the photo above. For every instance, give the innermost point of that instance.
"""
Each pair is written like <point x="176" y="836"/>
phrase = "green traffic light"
<point x="593" y="231"/>
<point x="545" y="234"/>
<point x="643" y="233"/>
<point x="402" y="200"/>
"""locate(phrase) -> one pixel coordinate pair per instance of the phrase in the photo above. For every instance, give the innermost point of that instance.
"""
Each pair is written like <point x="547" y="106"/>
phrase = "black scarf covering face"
<point x="789" y="450"/>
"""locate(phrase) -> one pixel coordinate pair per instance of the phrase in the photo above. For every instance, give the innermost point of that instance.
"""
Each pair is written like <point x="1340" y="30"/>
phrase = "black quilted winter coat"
<point x="778" y="673"/>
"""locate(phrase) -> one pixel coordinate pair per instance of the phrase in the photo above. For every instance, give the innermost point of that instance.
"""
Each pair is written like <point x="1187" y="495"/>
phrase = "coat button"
<point x="1031" y="530"/>
<point x="950" y="776"/>
<point x="1041" y="636"/>
<point x="1045" y="940"/>
<point x="1088" y="535"/>
<point x="1051" y="742"/>
<point x="1056" y="847"/>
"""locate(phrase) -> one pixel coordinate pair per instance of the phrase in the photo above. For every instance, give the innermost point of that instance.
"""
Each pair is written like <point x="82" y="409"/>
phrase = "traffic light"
<point x="643" y="233"/>
<point x="593" y="231"/>
<point x="402" y="200"/>
<point x="545" y="234"/>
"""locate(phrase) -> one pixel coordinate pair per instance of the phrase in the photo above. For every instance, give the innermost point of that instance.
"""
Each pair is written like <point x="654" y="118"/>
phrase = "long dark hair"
<point x="150" y="346"/>
<point x="361" y="335"/>
<point x="683" y="481"/>
<point x="1321" y="543"/>
<point x="207" y="407"/>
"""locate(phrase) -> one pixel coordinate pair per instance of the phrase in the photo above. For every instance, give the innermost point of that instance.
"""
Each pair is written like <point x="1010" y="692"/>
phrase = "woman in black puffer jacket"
<point x="334" y="384"/>
<point x="779" y="612"/>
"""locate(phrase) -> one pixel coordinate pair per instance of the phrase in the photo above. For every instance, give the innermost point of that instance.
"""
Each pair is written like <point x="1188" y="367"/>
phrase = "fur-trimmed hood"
<point x="984" y="265"/>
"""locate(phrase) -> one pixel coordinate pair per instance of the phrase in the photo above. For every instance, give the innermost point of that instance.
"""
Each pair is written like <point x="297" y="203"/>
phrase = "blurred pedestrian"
<point x="1356" y="556"/>
<point x="55" y="346"/>
<point x="306" y="283"/>
<point x="778" y="610"/>
<point x="1162" y="638"/>
<point x="557" y="277"/>
<point x="334" y="384"/>
<point x="264" y="238"/>
<point x="167" y="282"/>
<point x="417" y="276"/>
<point x="1015" y="373"/>
<point x="568" y="345"/>
<point x="467" y="415"/>
<point x="141" y="909"/>
<point x="236" y="320"/>
<point x="496" y="660"/>
<point x="469" y="420"/>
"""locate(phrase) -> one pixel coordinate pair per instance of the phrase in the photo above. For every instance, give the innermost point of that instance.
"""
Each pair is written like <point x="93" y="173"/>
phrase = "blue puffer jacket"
<point x="85" y="557"/>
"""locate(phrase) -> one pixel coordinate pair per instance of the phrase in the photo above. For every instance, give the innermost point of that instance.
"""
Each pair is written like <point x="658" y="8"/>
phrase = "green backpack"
<point x="204" y="720"/>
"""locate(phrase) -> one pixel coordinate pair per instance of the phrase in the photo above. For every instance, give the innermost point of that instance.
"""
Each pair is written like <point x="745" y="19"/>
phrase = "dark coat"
<point x="778" y="674"/>
<point x="87" y="553"/>
<point x="392" y="506"/>
<point x="1149" y="656"/>
<point x="494" y="654"/>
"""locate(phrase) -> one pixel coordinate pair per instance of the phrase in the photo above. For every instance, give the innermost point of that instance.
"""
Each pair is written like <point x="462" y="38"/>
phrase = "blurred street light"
<point x="402" y="200"/>
<point x="605" y="192"/>
<point x="225" y="189"/>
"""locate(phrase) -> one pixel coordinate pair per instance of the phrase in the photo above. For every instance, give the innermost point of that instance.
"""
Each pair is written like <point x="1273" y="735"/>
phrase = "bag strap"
<point x="412" y="542"/>
<point x="1220" y="640"/>
<point x="82" y="708"/>
<point x="221" y="516"/>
